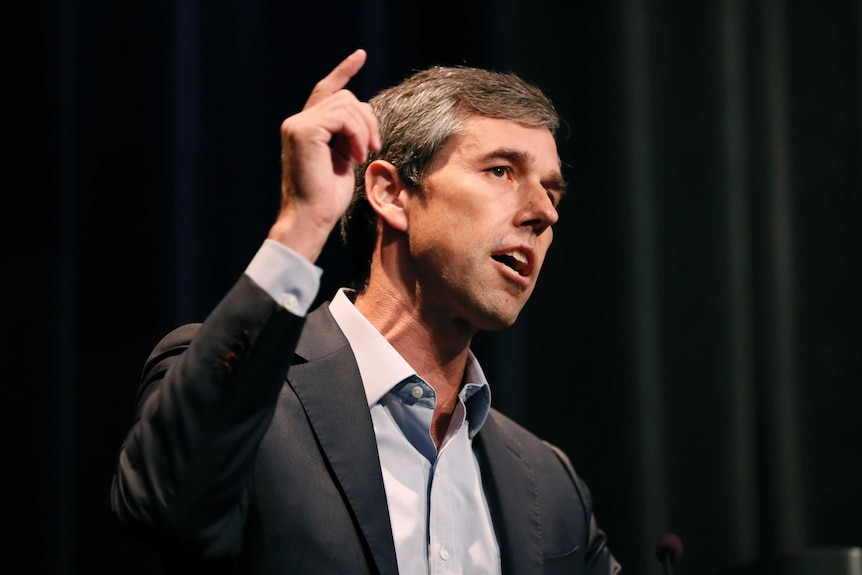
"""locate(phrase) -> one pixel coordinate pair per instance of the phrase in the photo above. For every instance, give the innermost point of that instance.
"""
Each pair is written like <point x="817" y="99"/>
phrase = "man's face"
<point x="480" y="231"/>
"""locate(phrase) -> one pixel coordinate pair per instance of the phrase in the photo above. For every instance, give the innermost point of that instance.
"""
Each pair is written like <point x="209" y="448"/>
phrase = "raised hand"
<point x="320" y="147"/>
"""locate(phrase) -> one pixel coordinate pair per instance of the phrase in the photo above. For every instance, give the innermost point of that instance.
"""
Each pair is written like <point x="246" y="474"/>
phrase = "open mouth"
<point x="516" y="260"/>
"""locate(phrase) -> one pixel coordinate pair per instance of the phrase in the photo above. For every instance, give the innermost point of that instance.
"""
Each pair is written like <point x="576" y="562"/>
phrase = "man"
<point x="360" y="439"/>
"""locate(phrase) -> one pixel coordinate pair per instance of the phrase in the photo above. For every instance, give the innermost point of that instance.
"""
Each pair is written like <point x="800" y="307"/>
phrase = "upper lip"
<point x="520" y="258"/>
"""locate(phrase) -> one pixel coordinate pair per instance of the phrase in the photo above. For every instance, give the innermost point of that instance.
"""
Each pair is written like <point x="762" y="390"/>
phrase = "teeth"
<point x="518" y="256"/>
<point x="515" y="259"/>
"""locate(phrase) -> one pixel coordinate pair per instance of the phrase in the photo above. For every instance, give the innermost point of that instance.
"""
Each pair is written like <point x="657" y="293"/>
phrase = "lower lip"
<point x="512" y="274"/>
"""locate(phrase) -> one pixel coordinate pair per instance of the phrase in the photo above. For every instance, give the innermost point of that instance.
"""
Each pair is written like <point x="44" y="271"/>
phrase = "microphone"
<point x="668" y="550"/>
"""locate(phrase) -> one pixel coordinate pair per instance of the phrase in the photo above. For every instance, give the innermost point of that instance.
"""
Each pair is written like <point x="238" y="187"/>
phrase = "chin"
<point x="498" y="319"/>
<point x="487" y="311"/>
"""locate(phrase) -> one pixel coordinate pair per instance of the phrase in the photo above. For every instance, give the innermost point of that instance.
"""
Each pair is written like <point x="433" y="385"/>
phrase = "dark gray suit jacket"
<point x="230" y="467"/>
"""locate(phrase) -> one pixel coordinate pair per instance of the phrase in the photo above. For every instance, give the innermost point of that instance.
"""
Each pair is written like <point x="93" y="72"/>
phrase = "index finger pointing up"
<point x="337" y="78"/>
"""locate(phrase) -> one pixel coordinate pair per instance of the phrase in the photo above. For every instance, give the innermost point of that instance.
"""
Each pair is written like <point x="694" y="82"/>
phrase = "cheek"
<point x="450" y="217"/>
<point x="543" y="244"/>
<point x="431" y="236"/>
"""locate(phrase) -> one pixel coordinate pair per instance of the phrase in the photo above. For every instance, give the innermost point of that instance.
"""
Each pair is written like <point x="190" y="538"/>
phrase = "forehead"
<point x="480" y="136"/>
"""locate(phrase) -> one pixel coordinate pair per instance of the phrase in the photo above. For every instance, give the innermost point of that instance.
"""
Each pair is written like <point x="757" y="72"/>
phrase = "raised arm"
<point x="209" y="391"/>
<point x="320" y="147"/>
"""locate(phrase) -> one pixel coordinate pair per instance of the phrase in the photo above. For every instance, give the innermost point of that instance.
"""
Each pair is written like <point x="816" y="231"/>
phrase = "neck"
<point x="436" y="348"/>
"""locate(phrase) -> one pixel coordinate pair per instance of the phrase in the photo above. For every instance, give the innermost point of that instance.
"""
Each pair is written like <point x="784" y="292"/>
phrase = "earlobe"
<point x="385" y="192"/>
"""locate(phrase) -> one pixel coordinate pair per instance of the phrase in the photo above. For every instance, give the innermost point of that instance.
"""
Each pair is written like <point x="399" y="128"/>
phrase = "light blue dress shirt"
<point x="440" y="517"/>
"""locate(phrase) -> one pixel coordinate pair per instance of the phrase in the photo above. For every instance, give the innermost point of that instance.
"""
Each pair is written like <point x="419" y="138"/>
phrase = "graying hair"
<point x="417" y="117"/>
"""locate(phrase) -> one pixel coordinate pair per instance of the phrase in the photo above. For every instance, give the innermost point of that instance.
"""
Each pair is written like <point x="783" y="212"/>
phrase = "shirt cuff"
<point x="285" y="275"/>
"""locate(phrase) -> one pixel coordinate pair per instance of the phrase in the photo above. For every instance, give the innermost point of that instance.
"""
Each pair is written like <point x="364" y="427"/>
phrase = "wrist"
<point x="303" y="235"/>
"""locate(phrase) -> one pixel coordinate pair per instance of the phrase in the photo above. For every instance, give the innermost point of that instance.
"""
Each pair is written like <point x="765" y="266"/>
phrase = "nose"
<point x="539" y="211"/>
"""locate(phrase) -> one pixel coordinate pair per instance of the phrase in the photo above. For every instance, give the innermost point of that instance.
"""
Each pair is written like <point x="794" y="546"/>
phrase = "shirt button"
<point x="444" y="555"/>
<point x="416" y="392"/>
<point x="289" y="301"/>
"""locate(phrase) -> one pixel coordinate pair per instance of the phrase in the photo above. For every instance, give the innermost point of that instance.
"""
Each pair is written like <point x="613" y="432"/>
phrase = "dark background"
<point x="693" y="343"/>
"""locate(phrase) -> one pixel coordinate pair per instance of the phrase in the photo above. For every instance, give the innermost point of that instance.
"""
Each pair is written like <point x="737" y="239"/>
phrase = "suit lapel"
<point x="329" y="387"/>
<point x="511" y="491"/>
<point x="327" y="383"/>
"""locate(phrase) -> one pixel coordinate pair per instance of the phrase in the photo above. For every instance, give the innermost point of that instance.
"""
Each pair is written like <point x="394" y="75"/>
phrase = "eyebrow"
<point x="555" y="182"/>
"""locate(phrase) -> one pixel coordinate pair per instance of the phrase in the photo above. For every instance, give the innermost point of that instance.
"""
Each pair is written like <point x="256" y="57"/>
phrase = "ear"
<point x="385" y="192"/>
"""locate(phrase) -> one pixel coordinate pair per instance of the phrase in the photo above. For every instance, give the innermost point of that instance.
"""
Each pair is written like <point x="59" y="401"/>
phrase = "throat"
<point x="440" y="426"/>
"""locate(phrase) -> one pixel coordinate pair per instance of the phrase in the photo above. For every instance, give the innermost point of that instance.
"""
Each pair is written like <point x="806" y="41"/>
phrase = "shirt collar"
<point x="476" y="395"/>
<point x="382" y="367"/>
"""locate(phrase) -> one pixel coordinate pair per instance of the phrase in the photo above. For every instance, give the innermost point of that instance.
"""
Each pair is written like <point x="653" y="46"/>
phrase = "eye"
<point x="499" y="171"/>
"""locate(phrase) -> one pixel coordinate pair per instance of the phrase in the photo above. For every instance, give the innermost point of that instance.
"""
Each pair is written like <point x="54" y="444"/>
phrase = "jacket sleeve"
<point x="599" y="559"/>
<point x="206" y="398"/>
